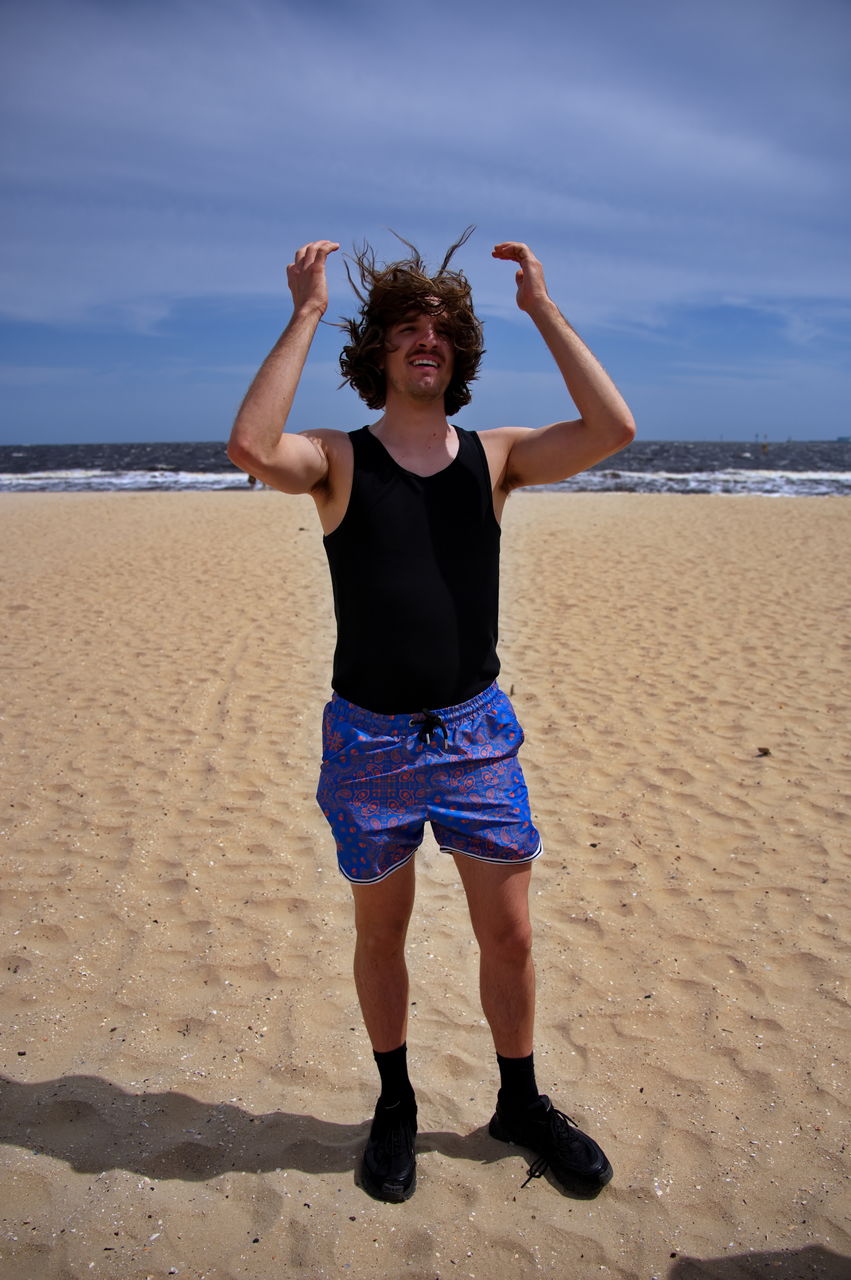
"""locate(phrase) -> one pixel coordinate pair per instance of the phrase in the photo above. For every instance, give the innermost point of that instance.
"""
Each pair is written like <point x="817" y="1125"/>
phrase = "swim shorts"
<point x="384" y="776"/>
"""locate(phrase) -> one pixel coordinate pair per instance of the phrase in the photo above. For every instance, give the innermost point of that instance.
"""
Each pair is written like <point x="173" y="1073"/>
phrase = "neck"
<point x="413" y="420"/>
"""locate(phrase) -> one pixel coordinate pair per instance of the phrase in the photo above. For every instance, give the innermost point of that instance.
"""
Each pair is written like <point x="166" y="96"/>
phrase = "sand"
<point x="186" y="1083"/>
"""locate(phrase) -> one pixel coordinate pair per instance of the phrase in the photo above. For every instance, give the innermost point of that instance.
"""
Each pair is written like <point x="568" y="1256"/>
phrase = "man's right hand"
<point x="306" y="276"/>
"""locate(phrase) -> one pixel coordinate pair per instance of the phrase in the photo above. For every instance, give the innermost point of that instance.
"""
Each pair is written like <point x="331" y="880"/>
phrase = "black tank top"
<point x="415" y="571"/>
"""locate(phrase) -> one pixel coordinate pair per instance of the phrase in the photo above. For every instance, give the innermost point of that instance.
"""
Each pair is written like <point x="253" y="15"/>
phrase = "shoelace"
<point x="536" y="1169"/>
<point x="539" y="1167"/>
<point x="394" y="1137"/>
<point x="396" y="1141"/>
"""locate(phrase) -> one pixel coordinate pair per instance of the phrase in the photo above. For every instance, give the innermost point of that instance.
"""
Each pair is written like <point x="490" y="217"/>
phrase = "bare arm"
<point x="292" y="463"/>
<point x="606" y="425"/>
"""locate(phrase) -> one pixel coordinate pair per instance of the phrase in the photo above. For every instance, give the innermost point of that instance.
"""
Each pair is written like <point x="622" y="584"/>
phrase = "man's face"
<point x="419" y="357"/>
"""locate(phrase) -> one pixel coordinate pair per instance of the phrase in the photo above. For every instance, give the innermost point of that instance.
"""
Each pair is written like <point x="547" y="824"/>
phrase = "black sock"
<point x="393" y="1069"/>
<point x="518" y="1088"/>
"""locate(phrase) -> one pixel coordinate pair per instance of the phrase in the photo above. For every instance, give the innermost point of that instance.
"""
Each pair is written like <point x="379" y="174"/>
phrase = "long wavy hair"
<point x="387" y="295"/>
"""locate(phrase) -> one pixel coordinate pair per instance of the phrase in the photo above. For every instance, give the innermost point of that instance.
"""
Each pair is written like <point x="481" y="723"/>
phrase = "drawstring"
<point x="430" y="723"/>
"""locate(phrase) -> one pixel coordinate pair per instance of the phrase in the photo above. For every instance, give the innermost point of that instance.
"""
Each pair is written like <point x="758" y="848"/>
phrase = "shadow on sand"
<point x="812" y="1263"/>
<point x="94" y="1126"/>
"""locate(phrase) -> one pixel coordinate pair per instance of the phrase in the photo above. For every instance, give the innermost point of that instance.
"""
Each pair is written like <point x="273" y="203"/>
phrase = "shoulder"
<point x="501" y="436"/>
<point x="328" y="439"/>
<point x="335" y="447"/>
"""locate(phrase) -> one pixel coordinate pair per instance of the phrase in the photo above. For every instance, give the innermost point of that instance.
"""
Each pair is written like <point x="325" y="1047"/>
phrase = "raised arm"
<point x="562" y="449"/>
<point x="292" y="463"/>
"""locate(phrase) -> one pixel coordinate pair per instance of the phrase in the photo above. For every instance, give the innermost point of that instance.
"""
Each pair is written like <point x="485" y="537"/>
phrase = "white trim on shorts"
<point x="384" y="874"/>
<point x="497" y="862"/>
<point x="447" y="848"/>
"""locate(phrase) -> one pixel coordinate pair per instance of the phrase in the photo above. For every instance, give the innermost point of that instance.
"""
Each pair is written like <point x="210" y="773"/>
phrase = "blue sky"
<point x="681" y="169"/>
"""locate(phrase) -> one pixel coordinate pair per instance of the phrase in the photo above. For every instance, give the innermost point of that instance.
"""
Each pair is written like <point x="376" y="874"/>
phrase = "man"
<point x="417" y="729"/>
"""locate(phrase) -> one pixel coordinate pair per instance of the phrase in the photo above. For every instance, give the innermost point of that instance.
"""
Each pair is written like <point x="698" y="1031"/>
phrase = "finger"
<point x="324" y="247"/>
<point x="301" y="261"/>
<point x="308" y="253"/>
<point x="512" y="250"/>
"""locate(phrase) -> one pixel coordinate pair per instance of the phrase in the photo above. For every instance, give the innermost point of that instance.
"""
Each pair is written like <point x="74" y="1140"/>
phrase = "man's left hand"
<point x="531" y="287"/>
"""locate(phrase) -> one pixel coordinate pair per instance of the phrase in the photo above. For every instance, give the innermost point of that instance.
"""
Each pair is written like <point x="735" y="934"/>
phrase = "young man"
<point x="417" y="729"/>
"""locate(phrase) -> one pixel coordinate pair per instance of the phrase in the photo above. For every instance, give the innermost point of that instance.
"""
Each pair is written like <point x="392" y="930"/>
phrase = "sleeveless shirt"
<point x="415" y="574"/>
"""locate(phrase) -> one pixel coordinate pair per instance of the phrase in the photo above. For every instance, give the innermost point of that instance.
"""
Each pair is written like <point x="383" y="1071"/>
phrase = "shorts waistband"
<point x="402" y="724"/>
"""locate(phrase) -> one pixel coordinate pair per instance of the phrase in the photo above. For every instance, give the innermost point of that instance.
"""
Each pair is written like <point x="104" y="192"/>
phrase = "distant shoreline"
<point x="794" y="468"/>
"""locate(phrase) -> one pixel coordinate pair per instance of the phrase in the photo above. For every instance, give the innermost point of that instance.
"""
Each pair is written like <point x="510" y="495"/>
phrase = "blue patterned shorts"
<point x="383" y="777"/>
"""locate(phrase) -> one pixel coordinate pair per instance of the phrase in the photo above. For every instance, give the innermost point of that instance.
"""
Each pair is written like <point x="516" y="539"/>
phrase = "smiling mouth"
<point x="424" y="364"/>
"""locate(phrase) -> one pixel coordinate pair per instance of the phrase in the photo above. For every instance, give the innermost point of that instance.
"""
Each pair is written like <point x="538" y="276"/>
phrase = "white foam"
<point x="86" y="481"/>
<point x="732" y="481"/>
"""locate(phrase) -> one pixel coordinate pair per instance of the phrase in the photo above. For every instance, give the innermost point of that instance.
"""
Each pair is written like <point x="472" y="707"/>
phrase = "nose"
<point x="428" y="335"/>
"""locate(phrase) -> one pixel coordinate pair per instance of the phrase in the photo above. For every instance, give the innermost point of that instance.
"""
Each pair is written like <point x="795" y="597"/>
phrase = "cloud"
<point x="656" y="156"/>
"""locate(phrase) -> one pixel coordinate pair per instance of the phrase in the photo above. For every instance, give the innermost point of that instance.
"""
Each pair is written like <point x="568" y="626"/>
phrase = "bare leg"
<point x="498" y="898"/>
<point x="382" y="912"/>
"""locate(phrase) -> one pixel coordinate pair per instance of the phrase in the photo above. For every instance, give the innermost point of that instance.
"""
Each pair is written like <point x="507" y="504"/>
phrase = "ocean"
<point x="798" y="468"/>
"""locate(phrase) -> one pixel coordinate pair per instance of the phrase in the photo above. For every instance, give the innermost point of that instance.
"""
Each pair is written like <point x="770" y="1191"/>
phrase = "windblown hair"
<point x="390" y="293"/>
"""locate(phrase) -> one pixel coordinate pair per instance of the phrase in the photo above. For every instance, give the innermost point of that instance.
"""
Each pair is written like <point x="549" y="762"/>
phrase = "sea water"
<point x="797" y="468"/>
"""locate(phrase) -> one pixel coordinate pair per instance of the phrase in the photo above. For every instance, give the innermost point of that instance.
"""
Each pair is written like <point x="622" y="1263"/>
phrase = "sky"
<point x="682" y="170"/>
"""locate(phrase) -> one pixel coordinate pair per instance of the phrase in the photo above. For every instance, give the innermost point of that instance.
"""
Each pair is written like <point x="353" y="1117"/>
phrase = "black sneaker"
<point x="389" y="1168"/>
<point x="573" y="1158"/>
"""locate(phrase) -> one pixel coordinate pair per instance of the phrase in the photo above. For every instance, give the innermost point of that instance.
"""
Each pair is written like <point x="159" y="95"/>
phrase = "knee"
<point x="509" y="944"/>
<point x="384" y="937"/>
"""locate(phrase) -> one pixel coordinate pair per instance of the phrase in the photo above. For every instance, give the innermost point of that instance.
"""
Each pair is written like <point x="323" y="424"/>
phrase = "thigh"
<point x="497" y="896"/>
<point x="482" y="809"/>
<point x="382" y="910"/>
<point x="478" y="802"/>
<point x="371" y="795"/>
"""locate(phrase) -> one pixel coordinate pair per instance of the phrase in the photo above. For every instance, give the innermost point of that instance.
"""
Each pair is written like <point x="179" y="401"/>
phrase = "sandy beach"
<point x="186" y="1085"/>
